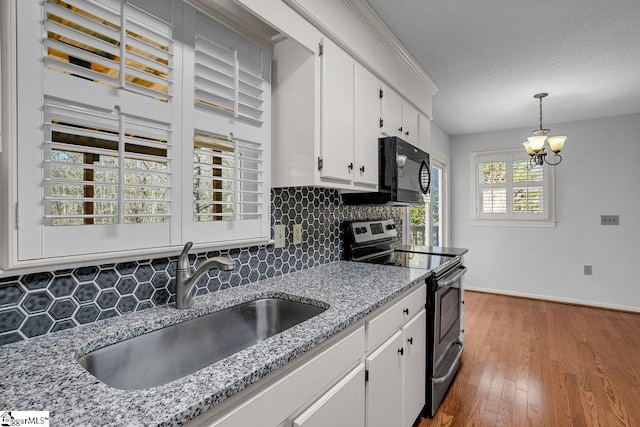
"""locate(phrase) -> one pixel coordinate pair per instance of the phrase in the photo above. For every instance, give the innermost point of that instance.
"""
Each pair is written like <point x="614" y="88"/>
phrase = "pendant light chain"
<point x="540" y="113"/>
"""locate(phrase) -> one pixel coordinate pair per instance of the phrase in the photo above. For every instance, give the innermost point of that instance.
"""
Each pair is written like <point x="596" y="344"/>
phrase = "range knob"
<point x="363" y="229"/>
<point x="357" y="230"/>
<point x="391" y="226"/>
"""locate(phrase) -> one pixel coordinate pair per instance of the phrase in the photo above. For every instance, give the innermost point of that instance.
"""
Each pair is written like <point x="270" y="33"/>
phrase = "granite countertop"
<point x="43" y="373"/>
<point x="434" y="250"/>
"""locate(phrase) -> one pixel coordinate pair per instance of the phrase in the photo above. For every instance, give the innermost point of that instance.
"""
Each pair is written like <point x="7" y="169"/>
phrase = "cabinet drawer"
<point x="342" y="405"/>
<point x="386" y="323"/>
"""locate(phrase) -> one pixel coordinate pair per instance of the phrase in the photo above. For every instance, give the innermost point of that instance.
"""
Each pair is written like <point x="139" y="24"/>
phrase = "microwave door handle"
<point x="424" y="174"/>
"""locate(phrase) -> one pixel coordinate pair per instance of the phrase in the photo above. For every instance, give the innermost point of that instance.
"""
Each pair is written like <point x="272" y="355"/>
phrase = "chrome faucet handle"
<point x="183" y="259"/>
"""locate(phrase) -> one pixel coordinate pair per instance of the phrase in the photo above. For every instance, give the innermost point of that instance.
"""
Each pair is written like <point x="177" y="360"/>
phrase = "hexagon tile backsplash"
<point x="45" y="302"/>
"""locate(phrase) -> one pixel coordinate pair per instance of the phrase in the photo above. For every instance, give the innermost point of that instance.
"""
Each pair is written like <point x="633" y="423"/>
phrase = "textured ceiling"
<point x="488" y="58"/>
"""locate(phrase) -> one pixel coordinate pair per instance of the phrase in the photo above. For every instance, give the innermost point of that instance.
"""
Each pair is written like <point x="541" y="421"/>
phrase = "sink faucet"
<point x="185" y="281"/>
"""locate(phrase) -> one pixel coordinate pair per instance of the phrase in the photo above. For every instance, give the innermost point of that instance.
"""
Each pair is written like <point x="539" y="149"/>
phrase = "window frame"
<point x="440" y="161"/>
<point x="547" y="218"/>
<point x="219" y="235"/>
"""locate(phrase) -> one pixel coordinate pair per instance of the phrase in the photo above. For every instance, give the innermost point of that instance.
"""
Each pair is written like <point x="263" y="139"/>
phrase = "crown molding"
<point x="383" y="33"/>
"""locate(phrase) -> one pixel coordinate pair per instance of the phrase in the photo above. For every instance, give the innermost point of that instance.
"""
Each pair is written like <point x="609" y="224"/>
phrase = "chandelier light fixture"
<point x="535" y="144"/>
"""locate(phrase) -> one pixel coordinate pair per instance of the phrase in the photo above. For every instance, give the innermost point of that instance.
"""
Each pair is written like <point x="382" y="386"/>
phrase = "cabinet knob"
<point x="362" y="169"/>
<point x="401" y="351"/>
<point x="350" y="167"/>
<point x="410" y="340"/>
<point x="406" y="311"/>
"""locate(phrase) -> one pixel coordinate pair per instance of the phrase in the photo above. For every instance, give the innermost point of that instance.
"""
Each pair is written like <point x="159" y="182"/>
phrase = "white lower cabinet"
<point x="414" y="335"/>
<point x="384" y="385"/>
<point x="342" y="406"/>
<point x="396" y="369"/>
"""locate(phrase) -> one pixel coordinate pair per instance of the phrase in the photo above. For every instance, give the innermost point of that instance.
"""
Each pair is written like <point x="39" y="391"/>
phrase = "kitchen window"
<point x="509" y="191"/>
<point x="140" y="125"/>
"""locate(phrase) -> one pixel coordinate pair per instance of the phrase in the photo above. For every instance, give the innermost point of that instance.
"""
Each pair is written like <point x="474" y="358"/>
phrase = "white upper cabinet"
<point x="409" y="123"/>
<point x="324" y="118"/>
<point x="325" y="101"/>
<point x="399" y="117"/>
<point x="337" y="100"/>
<point x="391" y="110"/>
<point x="367" y="126"/>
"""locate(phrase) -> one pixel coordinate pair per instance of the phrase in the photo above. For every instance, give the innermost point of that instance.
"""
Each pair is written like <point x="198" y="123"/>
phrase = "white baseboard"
<point x="554" y="299"/>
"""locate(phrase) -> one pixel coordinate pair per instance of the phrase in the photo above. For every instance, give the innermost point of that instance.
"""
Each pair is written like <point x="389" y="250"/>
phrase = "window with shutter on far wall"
<point x="509" y="191"/>
<point x="114" y="157"/>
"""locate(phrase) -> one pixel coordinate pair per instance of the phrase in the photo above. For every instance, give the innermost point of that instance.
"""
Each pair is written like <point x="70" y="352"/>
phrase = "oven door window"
<point x="449" y="312"/>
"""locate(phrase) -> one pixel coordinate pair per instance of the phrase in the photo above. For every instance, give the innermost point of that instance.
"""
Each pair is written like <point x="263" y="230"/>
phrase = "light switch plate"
<point x="279" y="235"/>
<point x="297" y="234"/>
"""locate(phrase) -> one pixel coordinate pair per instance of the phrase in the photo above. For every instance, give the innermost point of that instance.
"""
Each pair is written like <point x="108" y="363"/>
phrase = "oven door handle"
<point x="452" y="368"/>
<point x="449" y="282"/>
<point x="377" y="254"/>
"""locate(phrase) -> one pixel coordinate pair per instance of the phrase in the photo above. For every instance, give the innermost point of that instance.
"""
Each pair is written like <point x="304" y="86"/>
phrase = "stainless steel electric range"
<point x="376" y="242"/>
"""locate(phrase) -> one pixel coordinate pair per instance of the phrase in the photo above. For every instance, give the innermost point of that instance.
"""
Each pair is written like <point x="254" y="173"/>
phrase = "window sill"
<point x="513" y="223"/>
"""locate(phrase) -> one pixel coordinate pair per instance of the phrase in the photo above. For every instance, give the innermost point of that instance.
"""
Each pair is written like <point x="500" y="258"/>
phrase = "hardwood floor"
<point x="536" y="363"/>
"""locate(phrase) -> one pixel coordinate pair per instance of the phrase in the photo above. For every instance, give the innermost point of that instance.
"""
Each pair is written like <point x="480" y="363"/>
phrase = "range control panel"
<point x="369" y="231"/>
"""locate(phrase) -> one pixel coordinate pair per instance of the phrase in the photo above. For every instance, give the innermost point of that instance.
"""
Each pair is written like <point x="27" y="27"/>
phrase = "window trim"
<point x="441" y="161"/>
<point x="508" y="220"/>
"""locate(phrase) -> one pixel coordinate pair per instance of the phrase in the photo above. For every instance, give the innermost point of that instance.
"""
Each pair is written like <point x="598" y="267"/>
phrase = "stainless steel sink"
<point x="161" y="356"/>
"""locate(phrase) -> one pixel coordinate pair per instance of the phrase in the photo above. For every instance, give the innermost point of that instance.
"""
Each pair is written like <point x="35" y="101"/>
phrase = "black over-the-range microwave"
<point x="404" y="176"/>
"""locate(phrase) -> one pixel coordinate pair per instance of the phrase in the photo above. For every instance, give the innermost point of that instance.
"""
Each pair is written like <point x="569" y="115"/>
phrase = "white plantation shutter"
<point x="93" y="41"/>
<point x="227" y="177"/>
<point x="528" y="188"/>
<point x="142" y="124"/>
<point x="230" y="72"/>
<point x="101" y="169"/>
<point x="507" y="187"/>
<point x="231" y="98"/>
<point x="102" y="94"/>
<point x="492" y="182"/>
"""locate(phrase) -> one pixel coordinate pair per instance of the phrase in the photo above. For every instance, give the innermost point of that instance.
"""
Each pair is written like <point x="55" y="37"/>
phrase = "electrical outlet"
<point x="609" y="220"/>
<point x="297" y="234"/>
<point x="588" y="270"/>
<point x="279" y="235"/>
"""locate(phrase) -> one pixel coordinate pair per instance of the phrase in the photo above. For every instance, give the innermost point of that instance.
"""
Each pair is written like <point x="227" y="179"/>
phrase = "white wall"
<point x="599" y="174"/>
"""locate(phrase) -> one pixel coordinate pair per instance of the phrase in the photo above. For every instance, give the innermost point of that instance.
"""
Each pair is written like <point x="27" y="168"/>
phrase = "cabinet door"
<point x="337" y="112"/>
<point x="409" y="123"/>
<point x="424" y="133"/>
<point x="391" y="112"/>
<point x="342" y="406"/>
<point x="367" y="126"/>
<point x="415" y="339"/>
<point x="384" y="389"/>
